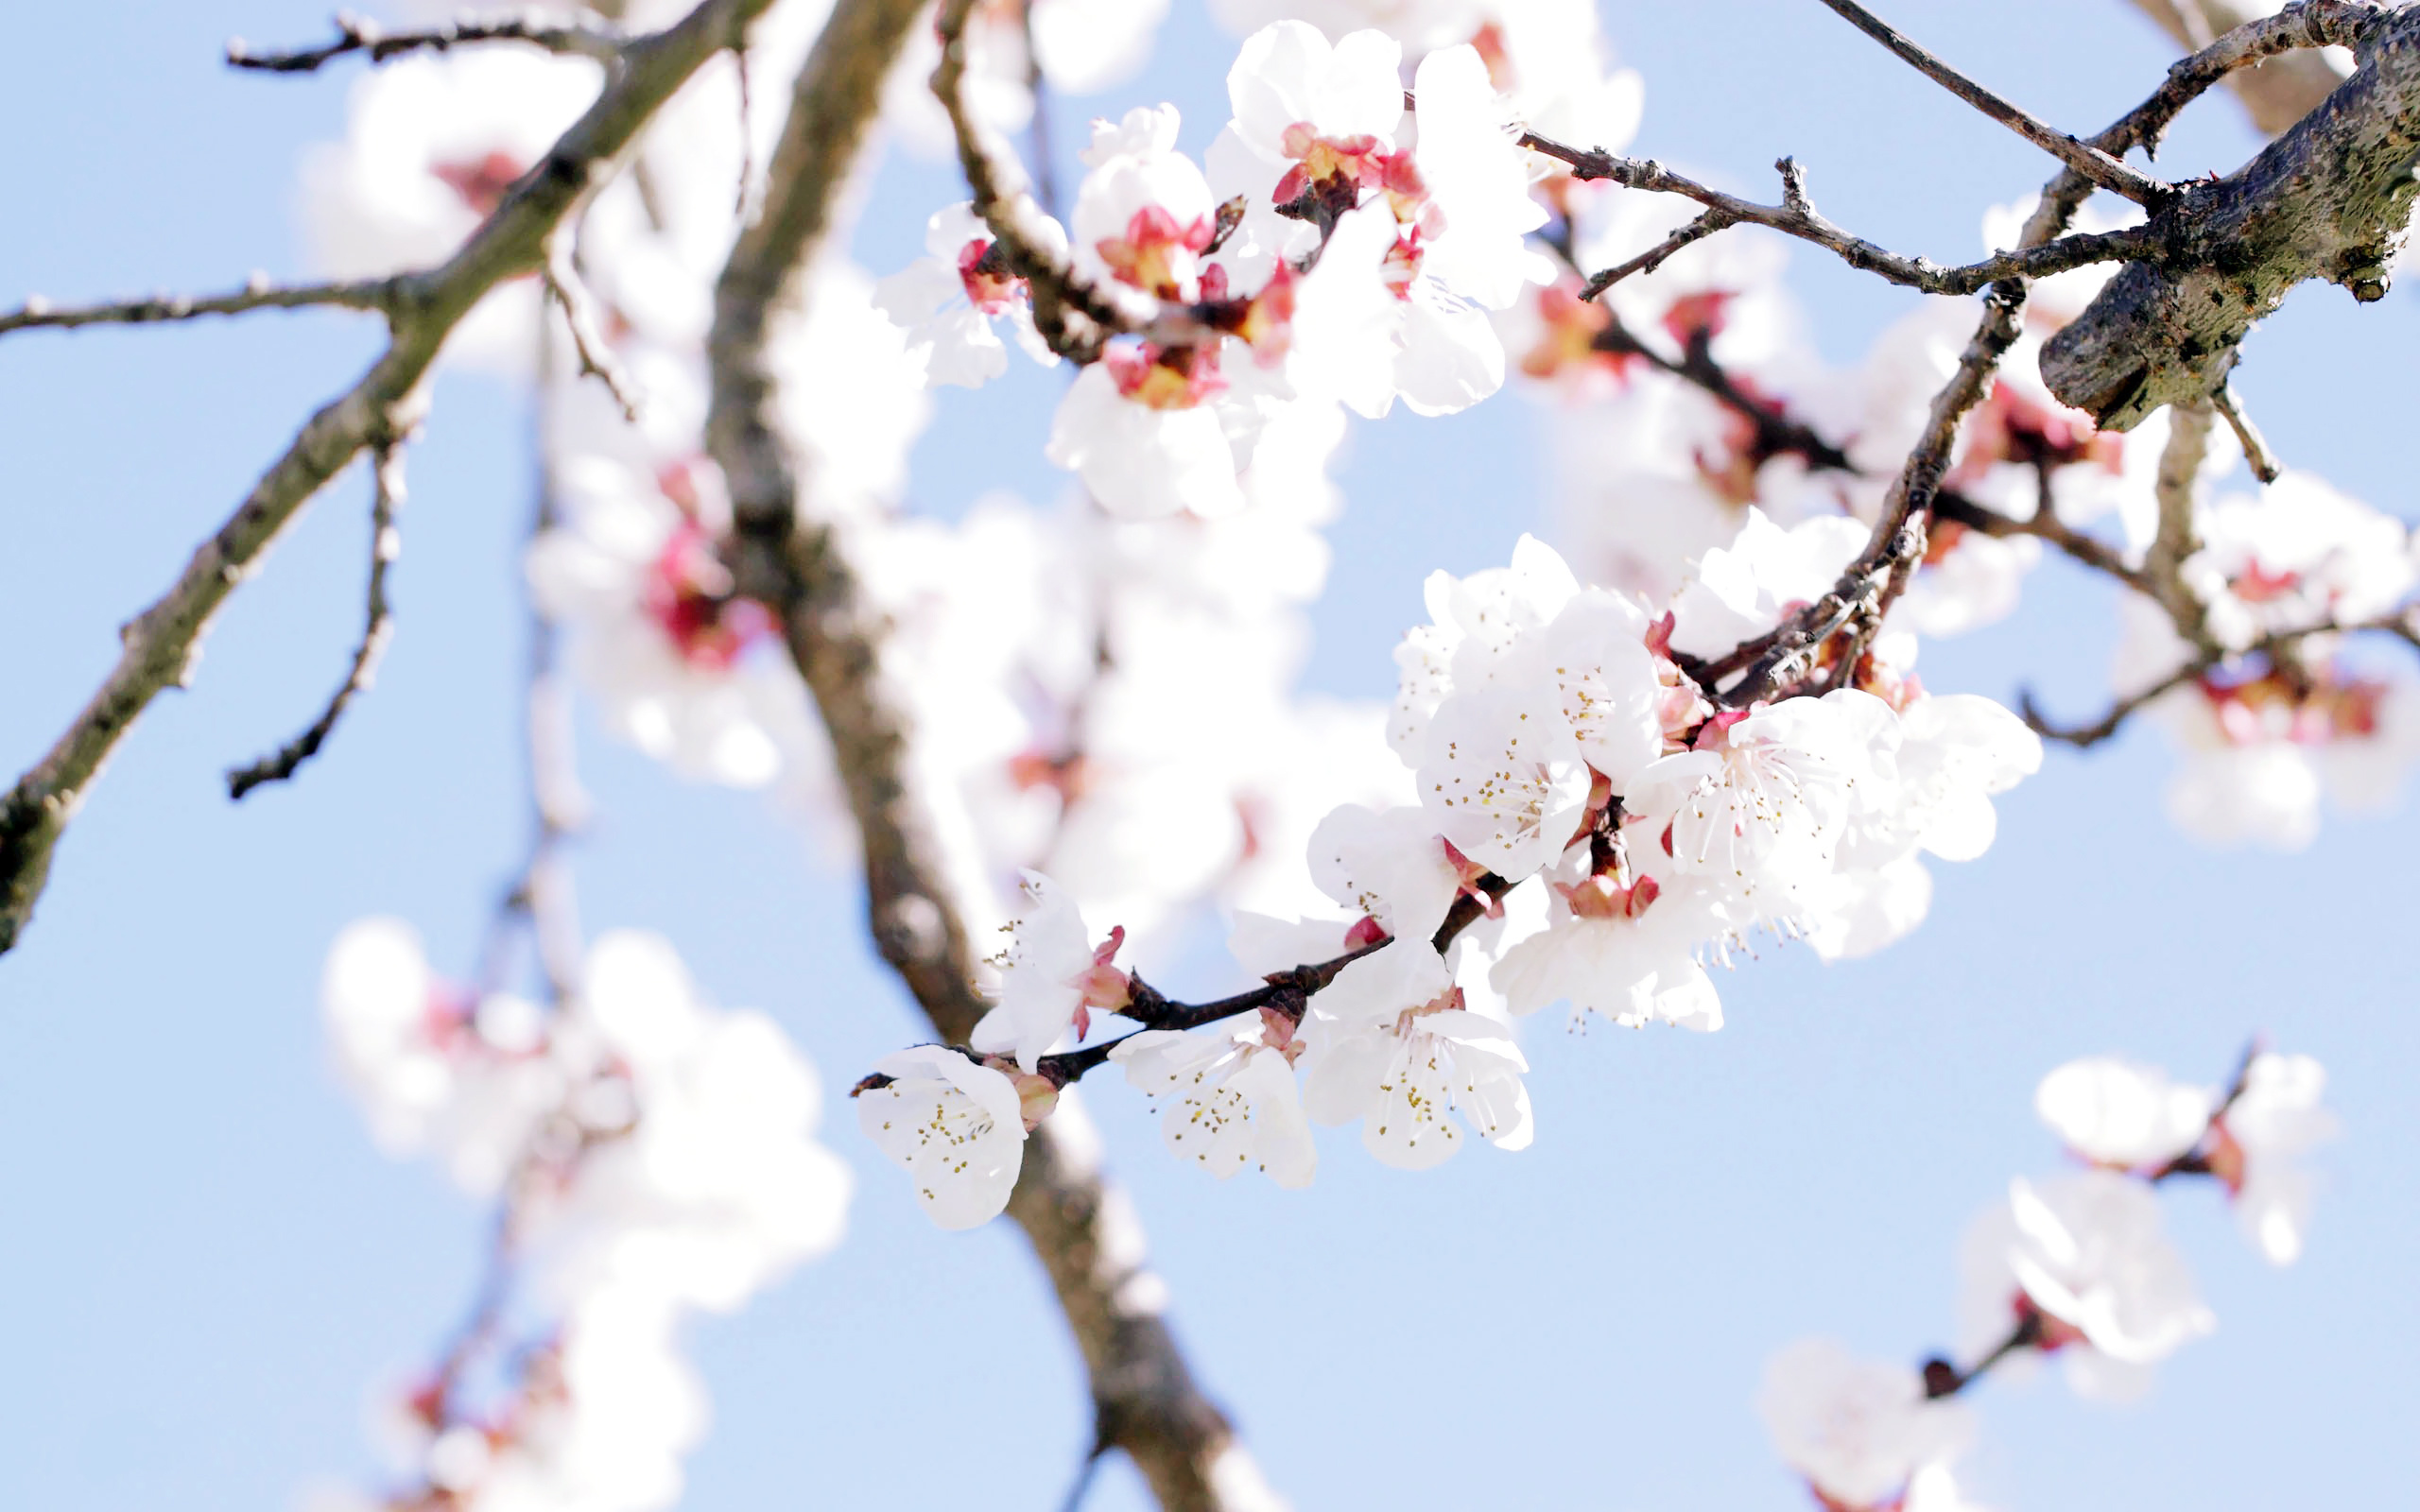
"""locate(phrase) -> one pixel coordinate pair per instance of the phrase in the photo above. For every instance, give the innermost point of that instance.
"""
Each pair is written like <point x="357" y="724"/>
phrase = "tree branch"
<point x="1146" y="1401"/>
<point x="2256" y="455"/>
<point x="357" y="34"/>
<point x="378" y="294"/>
<point x="159" y="643"/>
<point x="2328" y="200"/>
<point x="387" y="490"/>
<point x="2081" y="157"/>
<point x="1797" y="216"/>
<point x="2175" y="539"/>
<point x="1075" y="317"/>
<point x="2277" y="91"/>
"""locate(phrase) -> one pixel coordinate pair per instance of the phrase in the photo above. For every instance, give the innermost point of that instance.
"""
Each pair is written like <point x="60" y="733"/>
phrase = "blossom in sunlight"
<point x="2082" y="1262"/>
<point x="1389" y="1044"/>
<point x="1144" y="216"/>
<point x="950" y="301"/>
<point x="2298" y="555"/>
<point x="2122" y="1115"/>
<point x="2263" y="744"/>
<point x="958" y="1127"/>
<point x="1232" y="1100"/>
<point x="2255" y="1146"/>
<point x="1859" y="1429"/>
<point x="1391" y="867"/>
<point x="1761" y="803"/>
<point x="1052" y="976"/>
<point x="2131" y="1117"/>
<point x="1138" y="428"/>
<point x="1628" y="953"/>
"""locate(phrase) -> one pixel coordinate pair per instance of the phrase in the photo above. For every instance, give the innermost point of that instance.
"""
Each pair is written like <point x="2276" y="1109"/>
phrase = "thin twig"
<point x="1943" y="1378"/>
<point x="375" y="294"/>
<point x="386" y="495"/>
<point x="2277" y="92"/>
<point x="2082" y="157"/>
<point x="596" y="357"/>
<point x="2085" y="736"/>
<point x="2046" y="526"/>
<point x="1797" y="216"/>
<point x="357" y="34"/>
<point x="2256" y="455"/>
<point x="1649" y="260"/>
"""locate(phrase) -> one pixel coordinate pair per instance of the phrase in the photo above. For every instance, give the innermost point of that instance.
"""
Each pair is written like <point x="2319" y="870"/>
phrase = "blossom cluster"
<point x="2075" y="1265"/>
<point x="1555" y="740"/>
<point x="1582" y="793"/>
<point x="651" y="1156"/>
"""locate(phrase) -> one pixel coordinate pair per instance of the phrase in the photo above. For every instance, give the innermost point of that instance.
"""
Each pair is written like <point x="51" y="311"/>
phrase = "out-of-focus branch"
<point x="2283" y="647"/>
<point x="596" y="359"/>
<point x="161" y="642"/>
<point x="379" y="294"/>
<point x="1145" y="1399"/>
<point x="2082" y="157"/>
<point x="2175" y="539"/>
<point x="357" y="34"/>
<point x="386" y="495"/>
<point x="2256" y="455"/>
<point x="2276" y="92"/>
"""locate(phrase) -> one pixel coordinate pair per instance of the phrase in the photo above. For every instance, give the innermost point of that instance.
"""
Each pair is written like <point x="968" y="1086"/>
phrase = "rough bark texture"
<point x="161" y="642"/>
<point x="1145" y="1399"/>
<point x="2275" y="93"/>
<point x="2328" y="200"/>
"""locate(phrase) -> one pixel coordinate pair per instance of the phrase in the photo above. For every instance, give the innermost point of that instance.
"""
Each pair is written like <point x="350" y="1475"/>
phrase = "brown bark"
<point x="1145" y="1399"/>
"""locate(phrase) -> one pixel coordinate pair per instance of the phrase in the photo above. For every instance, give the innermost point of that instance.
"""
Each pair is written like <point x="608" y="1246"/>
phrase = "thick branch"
<point x="387" y="493"/>
<point x="356" y="34"/>
<point x="2082" y="157"/>
<point x="159" y="643"/>
<point x="1145" y="1399"/>
<point x="2330" y="200"/>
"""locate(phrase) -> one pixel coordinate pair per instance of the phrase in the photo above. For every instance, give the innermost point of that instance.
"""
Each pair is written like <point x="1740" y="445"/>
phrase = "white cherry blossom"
<point x="948" y="302"/>
<point x="1631" y="955"/>
<point x="1232" y="1098"/>
<point x="1504" y="778"/>
<point x="1389" y="866"/>
<point x="2086" y="1254"/>
<point x="1051" y="976"/>
<point x="958" y="1127"/>
<point x="2121" y="1114"/>
<point x="1388" y="1045"/>
<point x="1859" y="1429"/>
<point x="2257" y="1142"/>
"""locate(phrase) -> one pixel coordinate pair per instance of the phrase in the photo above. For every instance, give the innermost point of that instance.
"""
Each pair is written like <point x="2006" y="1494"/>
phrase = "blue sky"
<point x="208" y="1268"/>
